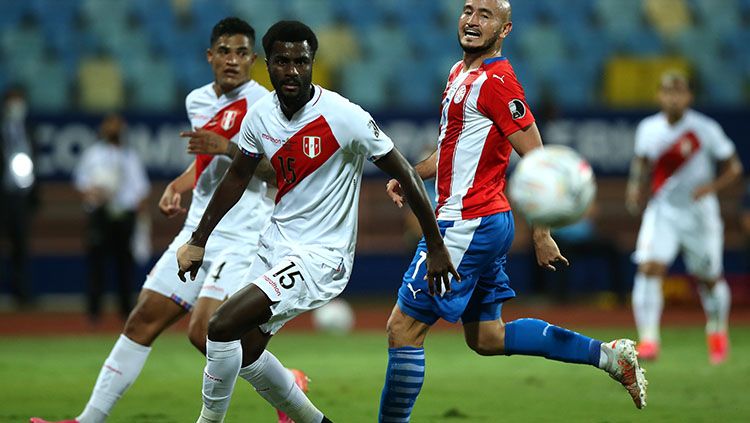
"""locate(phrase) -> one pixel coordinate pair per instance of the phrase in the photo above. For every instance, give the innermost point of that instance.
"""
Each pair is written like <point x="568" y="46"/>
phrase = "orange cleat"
<point x="40" y="420"/>
<point x="648" y="350"/>
<point x="301" y="379"/>
<point x="718" y="347"/>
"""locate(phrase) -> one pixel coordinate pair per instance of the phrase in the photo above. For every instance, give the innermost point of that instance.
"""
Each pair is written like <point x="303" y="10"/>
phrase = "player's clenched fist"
<point x="189" y="260"/>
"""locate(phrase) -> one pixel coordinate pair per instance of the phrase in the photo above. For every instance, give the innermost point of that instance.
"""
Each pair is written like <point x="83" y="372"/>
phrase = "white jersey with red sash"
<point x="683" y="155"/>
<point x="223" y="115"/>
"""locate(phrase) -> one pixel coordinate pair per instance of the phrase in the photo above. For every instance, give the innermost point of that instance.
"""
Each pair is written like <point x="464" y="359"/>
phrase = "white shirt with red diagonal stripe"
<point x="223" y="115"/>
<point x="683" y="155"/>
<point x="318" y="156"/>
<point x="480" y="109"/>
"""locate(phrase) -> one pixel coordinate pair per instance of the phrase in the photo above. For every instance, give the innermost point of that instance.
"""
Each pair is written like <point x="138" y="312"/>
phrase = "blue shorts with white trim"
<point x="478" y="247"/>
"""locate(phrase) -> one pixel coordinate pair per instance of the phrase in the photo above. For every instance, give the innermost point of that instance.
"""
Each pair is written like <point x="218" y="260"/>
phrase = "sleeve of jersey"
<point x="503" y="101"/>
<point x="248" y="142"/>
<point x="367" y="138"/>
<point x="641" y="140"/>
<point x="722" y="147"/>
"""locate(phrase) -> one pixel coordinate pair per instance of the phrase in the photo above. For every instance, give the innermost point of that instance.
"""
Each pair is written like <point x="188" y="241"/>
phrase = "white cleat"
<point x="625" y="369"/>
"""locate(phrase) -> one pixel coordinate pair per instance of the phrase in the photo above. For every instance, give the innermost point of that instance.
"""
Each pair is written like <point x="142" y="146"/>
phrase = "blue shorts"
<point x="478" y="247"/>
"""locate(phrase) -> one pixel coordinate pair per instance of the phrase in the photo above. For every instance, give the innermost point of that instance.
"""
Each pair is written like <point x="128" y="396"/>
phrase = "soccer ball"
<point x="553" y="186"/>
<point x="335" y="317"/>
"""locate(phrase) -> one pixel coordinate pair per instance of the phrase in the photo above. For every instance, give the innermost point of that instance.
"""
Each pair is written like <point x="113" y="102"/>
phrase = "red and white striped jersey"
<point x="318" y="156"/>
<point x="683" y="155"/>
<point x="223" y="115"/>
<point x="480" y="109"/>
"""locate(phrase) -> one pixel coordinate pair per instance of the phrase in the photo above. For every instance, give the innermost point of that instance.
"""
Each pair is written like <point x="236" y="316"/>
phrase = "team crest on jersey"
<point x="227" y="120"/>
<point x="517" y="109"/>
<point x="311" y="146"/>
<point x="460" y="94"/>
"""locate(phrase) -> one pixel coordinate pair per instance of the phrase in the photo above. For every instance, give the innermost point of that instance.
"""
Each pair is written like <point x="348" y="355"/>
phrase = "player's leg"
<point x="703" y="259"/>
<point x="237" y="338"/>
<point x="656" y="249"/>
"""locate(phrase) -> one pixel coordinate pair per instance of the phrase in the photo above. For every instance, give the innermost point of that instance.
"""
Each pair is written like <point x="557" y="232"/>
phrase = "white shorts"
<point x="296" y="279"/>
<point x="697" y="232"/>
<point x="224" y="263"/>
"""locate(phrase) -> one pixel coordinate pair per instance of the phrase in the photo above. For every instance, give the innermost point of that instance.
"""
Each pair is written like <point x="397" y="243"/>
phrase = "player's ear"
<point x="209" y="55"/>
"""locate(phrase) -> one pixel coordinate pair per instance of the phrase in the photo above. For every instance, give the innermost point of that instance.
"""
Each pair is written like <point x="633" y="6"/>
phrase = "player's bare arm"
<point x="426" y="169"/>
<point x="439" y="266"/>
<point x="171" y="199"/>
<point x="634" y="194"/>
<point x="266" y="173"/>
<point x="203" y="141"/>
<point x="229" y="191"/>
<point x="547" y="252"/>
<point x="730" y="171"/>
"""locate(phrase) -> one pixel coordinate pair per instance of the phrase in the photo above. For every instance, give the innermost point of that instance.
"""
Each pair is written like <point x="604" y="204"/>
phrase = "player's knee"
<point x="142" y="325"/>
<point x="221" y="328"/>
<point x="487" y="345"/>
<point x="653" y="269"/>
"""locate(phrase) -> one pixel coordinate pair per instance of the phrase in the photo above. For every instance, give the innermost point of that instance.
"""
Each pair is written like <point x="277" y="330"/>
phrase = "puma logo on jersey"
<point x="501" y="78"/>
<point x="413" y="292"/>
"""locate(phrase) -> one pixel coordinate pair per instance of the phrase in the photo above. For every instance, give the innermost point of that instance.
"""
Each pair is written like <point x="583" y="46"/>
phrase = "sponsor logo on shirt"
<point x="311" y="146"/>
<point x="517" y="109"/>
<point x="374" y="126"/>
<point x="272" y="139"/>
<point x="273" y="284"/>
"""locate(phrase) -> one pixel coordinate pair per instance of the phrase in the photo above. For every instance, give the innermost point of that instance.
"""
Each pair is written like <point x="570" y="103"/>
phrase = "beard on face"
<point x="487" y="46"/>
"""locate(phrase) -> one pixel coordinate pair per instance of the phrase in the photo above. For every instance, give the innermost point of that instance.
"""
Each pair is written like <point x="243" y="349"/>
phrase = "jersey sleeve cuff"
<point x="251" y="153"/>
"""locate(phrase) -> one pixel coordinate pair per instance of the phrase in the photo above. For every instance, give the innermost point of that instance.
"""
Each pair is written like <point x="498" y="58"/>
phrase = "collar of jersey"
<point x="313" y="101"/>
<point x="492" y="60"/>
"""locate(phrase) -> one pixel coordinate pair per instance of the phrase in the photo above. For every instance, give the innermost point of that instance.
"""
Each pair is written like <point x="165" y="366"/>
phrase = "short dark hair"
<point x="289" y="31"/>
<point x="232" y="26"/>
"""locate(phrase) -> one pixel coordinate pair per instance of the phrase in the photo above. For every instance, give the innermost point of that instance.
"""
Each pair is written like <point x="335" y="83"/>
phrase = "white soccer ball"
<point x="335" y="317"/>
<point x="553" y="186"/>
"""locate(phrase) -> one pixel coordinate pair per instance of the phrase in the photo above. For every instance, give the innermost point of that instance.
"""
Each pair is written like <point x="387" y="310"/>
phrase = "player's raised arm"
<point x="438" y="260"/>
<point x="547" y="252"/>
<point x="229" y="191"/>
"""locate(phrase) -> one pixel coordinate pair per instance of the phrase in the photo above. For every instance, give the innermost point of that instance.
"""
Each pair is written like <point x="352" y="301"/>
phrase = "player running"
<point x="679" y="149"/>
<point x="317" y="141"/>
<point x="217" y="109"/>
<point x="484" y="116"/>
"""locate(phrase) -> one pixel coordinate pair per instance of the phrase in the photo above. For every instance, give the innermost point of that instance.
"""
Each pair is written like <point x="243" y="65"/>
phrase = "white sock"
<point x="716" y="303"/>
<point x="223" y="361"/>
<point x="648" y="301"/>
<point x="276" y="385"/>
<point x="606" y="356"/>
<point x="119" y="371"/>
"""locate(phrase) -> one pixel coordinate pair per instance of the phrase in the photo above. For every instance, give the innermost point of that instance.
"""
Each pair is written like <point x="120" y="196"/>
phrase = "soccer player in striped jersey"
<point x="679" y="148"/>
<point x="484" y="117"/>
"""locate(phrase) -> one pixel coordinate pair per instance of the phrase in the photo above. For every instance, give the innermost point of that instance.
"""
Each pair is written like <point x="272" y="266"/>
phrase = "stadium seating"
<point x="388" y="38"/>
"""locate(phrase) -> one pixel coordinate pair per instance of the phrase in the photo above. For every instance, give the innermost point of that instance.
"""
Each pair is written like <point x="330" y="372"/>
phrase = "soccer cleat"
<point x="625" y="369"/>
<point x="648" y="350"/>
<point x="301" y="379"/>
<point x="718" y="347"/>
<point x="40" y="420"/>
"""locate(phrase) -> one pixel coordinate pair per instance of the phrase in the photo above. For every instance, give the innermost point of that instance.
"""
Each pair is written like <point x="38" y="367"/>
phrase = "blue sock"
<point x="403" y="380"/>
<point x="539" y="338"/>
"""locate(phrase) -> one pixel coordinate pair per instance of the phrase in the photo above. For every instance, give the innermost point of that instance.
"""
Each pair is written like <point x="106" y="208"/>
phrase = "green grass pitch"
<point x="52" y="378"/>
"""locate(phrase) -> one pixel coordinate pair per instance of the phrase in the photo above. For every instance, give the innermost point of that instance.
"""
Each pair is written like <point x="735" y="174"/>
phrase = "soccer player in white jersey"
<point x="317" y="141"/>
<point x="484" y="117"/>
<point x="216" y="111"/>
<point x="679" y="148"/>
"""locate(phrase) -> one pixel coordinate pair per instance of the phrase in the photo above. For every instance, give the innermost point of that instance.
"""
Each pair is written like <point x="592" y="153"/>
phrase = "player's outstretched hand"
<point x="439" y="270"/>
<point x="548" y="254"/>
<point x="203" y="141"/>
<point x="393" y="188"/>
<point x="169" y="203"/>
<point x="189" y="260"/>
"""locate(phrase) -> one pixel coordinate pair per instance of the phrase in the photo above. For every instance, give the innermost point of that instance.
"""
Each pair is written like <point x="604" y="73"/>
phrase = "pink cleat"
<point x="40" y="420"/>
<point x="648" y="350"/>
<point x="718" y="347"/>
<point x="301" y="379"/>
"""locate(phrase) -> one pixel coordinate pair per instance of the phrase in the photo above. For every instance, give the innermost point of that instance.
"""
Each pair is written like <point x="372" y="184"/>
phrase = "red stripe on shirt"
<point x="226" y="122"/>
<point x="673" y="158"/>
<point x="448" y="145"/>
<point x="487" y="193"/>
<point x="304" y="153"/>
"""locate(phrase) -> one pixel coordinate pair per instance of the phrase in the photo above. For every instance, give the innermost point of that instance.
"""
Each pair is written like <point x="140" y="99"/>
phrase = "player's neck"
<point x="474" y="60"/>
<point x="673" y="118"/>
<point x="292" y="106"/>
<point x="219" y="90"/>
